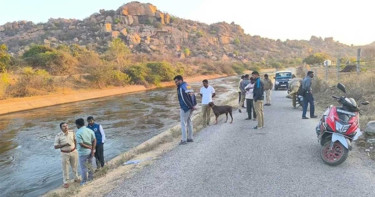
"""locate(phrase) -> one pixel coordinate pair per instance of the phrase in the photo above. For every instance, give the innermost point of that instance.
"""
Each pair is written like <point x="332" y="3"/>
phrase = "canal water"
<point x="29" y="164"/>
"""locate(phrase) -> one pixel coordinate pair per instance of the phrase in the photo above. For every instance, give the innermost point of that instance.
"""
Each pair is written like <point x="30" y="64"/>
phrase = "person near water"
<point x="66" y="142"/>
<point x="308" y="96"/>
<point x="258" y="95"/>
<point x="267" y="89"/>
<point x="207" y="92"/>
<point x="187" y="103"/>
<point x="243" y="84"/>
<point x="249" y="99"/>
<point x="86" y="143"/>
<point x="100" y="138"/>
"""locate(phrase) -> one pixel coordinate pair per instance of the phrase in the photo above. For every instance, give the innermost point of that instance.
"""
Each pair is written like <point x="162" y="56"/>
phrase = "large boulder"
<point x="370" y="128"/>
<point x="138" y="9"/>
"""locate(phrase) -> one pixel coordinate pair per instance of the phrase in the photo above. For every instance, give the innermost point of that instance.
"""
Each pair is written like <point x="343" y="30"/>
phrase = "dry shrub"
<point x="360" y="87"/>
<point x="31" y="82"/>
<point x="4" y="83"/>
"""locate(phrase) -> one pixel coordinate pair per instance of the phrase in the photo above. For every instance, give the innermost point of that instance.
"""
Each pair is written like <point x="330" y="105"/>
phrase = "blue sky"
<point x="348" y="21"/>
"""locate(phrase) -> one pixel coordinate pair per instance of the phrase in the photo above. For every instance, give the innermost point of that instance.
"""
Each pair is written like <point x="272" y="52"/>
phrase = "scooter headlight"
<point x="341" y="128"/>
<point x="277" y="82"/>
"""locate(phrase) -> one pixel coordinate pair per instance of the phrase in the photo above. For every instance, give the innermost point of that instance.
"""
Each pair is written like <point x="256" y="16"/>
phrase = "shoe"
<point x="66" y="185"/>
<point x="247" y="118"/>
<point x="313" y="116"/>
<point x="256" y="127"/>
<point x="182" y="142"/>
<point x="239" y="110"/>
<point x="77" y="180"/>
<point x="305" y="117"/>
<point x="190" y="140"/>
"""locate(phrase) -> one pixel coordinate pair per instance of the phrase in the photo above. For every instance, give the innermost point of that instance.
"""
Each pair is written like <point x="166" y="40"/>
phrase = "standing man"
<point x="258" y="99"/>
<point x="267" y="88"/>
<point x="100" y="138"/>
<point x="239" y="89"/>
<point x="207" y="92"/>
<point x="249" y="99"/>
<point x="243" y="84"/>
<point x="293" y="88"/>
<point x="187" y="102"/>
<point x="66" y="142"/>
<point x="86" y="149"/>
<point x="307" y="95"/>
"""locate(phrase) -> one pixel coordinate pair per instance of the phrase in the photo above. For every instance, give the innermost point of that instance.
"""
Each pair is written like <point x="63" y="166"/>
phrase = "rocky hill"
<point x="147" y="30"/>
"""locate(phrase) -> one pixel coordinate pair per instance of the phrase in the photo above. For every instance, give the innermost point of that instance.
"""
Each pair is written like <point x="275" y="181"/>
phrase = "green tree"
<point x="4" y="58"/>
<point x="187" y="52"/>
<point x="117" y="51"/>
<point x="317" y="58"/>
<point x="236" y="42"/>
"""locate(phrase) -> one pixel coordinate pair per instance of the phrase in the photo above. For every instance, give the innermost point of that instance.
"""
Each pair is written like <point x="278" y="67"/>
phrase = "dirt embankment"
<point x="27" y="103"/>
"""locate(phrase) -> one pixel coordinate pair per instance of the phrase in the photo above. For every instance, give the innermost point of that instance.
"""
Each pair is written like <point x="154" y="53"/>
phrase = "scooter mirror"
<point x="341" y="87"/>
<point x="365" y="103"/>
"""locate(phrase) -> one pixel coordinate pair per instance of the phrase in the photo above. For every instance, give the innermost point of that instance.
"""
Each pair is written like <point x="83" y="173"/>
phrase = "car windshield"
<point x="283" y="75"/>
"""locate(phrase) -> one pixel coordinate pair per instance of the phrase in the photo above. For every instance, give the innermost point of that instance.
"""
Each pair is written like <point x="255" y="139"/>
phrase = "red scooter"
<point x="338" y="127"/>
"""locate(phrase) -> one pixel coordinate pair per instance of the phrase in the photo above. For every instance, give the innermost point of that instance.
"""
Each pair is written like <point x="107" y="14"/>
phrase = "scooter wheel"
<point x="334" y="156"/>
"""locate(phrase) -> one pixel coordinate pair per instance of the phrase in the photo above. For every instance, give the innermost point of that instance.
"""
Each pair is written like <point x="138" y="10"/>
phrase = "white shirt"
<point x="207" y="94"/>
<point x="249" y="93"/>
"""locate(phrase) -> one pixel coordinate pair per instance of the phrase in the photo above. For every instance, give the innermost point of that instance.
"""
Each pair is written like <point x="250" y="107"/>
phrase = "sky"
<point x="347" y="21"/>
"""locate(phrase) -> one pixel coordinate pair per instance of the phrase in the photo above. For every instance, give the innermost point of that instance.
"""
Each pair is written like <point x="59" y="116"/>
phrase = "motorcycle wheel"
<point x="333" y="157"/>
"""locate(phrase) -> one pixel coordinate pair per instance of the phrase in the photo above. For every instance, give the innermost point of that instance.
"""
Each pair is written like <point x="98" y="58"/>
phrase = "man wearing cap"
<point x="308" y="96"/>
<point x="66" y="142"/>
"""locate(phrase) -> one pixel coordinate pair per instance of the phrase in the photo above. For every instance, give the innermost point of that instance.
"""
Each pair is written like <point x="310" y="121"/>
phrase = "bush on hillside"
<point x="162" y="69"/>
<point x="31" y="82"/>
<point x="103" y="76"/>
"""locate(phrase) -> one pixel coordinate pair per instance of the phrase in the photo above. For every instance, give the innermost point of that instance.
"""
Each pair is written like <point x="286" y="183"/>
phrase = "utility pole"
<point x="358" y="60"/>
<point x="338" y="68"/>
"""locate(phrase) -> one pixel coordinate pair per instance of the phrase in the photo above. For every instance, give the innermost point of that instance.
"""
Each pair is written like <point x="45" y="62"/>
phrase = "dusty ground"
<point x="68" y="96"/>
<point x="234" y="160"/>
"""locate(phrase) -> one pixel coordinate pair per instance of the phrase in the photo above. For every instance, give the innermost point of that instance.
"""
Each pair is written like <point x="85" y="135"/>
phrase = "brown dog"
<point x="218" y="110"/>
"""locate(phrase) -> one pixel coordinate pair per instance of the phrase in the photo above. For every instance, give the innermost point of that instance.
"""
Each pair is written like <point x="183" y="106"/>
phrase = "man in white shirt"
<point x="207" y="92"/>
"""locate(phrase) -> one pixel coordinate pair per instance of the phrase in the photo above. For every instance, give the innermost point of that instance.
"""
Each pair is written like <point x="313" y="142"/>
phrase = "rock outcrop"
<point x="145" y="29"/>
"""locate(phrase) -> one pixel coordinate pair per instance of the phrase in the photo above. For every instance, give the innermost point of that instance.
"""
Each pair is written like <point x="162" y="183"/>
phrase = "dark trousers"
<point x="250" y="108"/>
<point x="308" y="98"/>
<point x="99" y="155"/>
<point x="239" y="97"/>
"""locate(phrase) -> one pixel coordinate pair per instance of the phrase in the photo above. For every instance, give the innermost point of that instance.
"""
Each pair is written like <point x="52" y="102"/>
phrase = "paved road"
<point x="234" y="160"/>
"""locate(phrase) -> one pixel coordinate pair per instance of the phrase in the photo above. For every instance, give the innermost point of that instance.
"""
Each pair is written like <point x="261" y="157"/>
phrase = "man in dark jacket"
<point x="187" y="102"/>
<point x="308" y="96"/>
<point x="258" y="99"/>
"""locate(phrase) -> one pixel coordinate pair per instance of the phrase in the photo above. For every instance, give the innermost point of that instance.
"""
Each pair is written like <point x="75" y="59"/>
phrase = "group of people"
<point x="250" y="88"/>
<point x="254" y="90"/>
<point x="88" y="141"/>
<point x="80" y="146"/>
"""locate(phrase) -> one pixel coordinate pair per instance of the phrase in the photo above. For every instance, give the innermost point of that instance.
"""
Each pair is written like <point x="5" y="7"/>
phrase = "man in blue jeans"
<point x="187" y="102"/>
<point x="307" y="95"/>
<point x="86" y="143"/>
